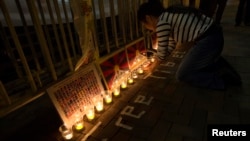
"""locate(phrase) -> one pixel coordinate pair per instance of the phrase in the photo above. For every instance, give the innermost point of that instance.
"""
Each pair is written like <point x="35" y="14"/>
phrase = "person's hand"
<point x="155" y="64"/>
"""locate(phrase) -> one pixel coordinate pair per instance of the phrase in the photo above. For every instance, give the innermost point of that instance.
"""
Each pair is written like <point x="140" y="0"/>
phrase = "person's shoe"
<point x="228" y="73"/>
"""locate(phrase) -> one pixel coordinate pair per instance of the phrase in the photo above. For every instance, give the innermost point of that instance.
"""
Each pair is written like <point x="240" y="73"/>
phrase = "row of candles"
<point x="98" y="106"/>
<point x="127" y="78"/>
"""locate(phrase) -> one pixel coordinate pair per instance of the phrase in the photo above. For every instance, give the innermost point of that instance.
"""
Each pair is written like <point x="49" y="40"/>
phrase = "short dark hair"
<point x="153" y="8"/>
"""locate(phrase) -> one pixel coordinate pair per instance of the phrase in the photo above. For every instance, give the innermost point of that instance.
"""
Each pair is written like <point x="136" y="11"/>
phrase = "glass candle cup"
<point x="116" y="91"/>
<point x="98" y="102"/>
<point x="79" y="123"/>
<point x="124" y="85"/>
<point x="130" y="80"/>
<point x="107" y="97"/>
<point x="89" y="112"/>
<point x="66" y="132"/>
<point x="140" y="70"/>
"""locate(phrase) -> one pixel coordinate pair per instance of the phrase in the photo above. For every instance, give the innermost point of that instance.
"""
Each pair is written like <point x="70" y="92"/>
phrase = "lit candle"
<point x="130" y="80"/>
<point x="116" y="92"/>
<point x="152" y="59"/>
<point x="124" y="85"/>
<point x="135" y="75"/>
<point x="108" y="97"/>
<point x="79" y="124"/>
<point x="99" y="106"/>
<point x="90" y="112"/>
<point x="66" y="132"/>
<point x="140" y="70"/>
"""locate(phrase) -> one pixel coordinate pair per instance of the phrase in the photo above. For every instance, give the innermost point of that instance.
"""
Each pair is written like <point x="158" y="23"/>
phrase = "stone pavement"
<point x="156" y="107"/>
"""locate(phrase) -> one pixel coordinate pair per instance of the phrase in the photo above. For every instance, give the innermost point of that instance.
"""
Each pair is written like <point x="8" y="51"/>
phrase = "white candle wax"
<point x="90" y="114"/>
<point x="108" y="99"/>
<point x="124" y="85"/>
<point x="130" y="80"/>
<point x="116" y="92"/>
<point x="99" y="106"/>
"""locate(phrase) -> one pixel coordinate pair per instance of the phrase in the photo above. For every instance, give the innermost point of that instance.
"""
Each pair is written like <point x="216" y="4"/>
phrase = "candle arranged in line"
<point x="108" y="97"/>
<point x="152" y="59"/>
<point x="140" y="70"/>
<point x="130" y="80"/>
<point x="66" y="132"/>
<point x="116" y="92"/>
<point x="90" y="112"/>
<point x="134" y="76"/>
<point x="79" y="125"/>
<point x="124" y="85"/>
<point x="99" y="106"/>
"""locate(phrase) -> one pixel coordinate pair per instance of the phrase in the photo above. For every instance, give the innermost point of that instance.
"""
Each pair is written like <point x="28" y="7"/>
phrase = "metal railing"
<point x="39" y="43"/>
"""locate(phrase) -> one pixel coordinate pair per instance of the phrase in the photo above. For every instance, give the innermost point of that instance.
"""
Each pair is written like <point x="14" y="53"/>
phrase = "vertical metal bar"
<point x="197" y="3"/>
<point x="46" y="30"/>
<point x="10" y="52"/>
<point x="135" y="17"/>
<point x="94" y="28"/>
<point x="59" y="46"/>
<point x="69" y="29"/>
<point x="113" y="21"/>
<point x="18" y="45"/>
<point x="185" y="2"/>
<point x="33" y="51"/>
<point x="165" y="3"/>
<point x="121" y="20"/>
<point x="59" y="18"/>
<point x="129" y="13"/>
<point x="41" y="38"/>
<point x="104" y="26"/>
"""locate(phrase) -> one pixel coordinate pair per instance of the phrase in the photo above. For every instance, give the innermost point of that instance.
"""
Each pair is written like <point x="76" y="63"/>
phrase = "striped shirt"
<point x="178" y="27"/>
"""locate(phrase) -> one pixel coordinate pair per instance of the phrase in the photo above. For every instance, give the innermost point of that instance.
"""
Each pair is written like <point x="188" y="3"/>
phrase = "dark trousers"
<point x="243" y="12"/>
<point x="199" y="67"/>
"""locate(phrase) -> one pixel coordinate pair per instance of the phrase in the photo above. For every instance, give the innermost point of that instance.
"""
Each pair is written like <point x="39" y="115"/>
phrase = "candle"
<point x="135" y="75"/>
<point x="152" y="59"/>
<point x="116" y="92"/>
<point x="99" y="106"/>
<point x="66" y="132"/>
<point x="130" y="80"/>
<point x="79" y="124"/>
<point x="98" y="102"/>
<point x="124" y="85"/>
<point x="108" y="97"/>
<point x="90" y="112"/>
<point x="140" y="70"/>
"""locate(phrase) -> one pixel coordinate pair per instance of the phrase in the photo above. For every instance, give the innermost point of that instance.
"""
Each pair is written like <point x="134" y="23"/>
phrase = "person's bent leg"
<point x="199" y="66"/>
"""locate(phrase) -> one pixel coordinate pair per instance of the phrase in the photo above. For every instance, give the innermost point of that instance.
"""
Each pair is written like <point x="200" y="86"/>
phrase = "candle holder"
<point x="116" y="91"/>
<point x="124" y="85"/>
<point x="89" y="112"/>
<point x="140" y="70"/>
<point x="152" y="59"/>
<point x="107" y="97"/>
<point x="66" y="132"/>
<point x="79" y="123"/>
<point x="134" y="76"/>
<point x="98" y="102"/>
<point x="130" y="80"/>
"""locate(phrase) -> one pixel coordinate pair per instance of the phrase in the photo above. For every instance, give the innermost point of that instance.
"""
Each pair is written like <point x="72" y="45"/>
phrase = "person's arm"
<point x="165" y="43"/>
